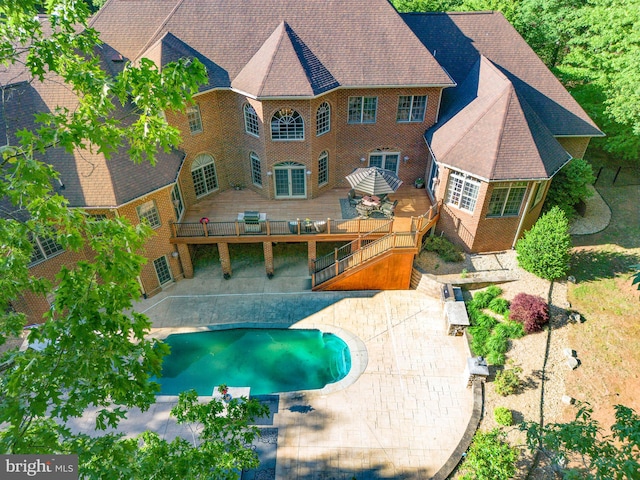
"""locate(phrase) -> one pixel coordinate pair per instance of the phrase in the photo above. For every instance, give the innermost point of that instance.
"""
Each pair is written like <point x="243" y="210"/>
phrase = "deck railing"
<point x="278" y="227"/>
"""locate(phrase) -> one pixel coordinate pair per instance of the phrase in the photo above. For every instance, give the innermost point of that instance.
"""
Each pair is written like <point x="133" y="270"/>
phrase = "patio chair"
<point x="363" y="210"/>
<point x="388" y="208"/>
<point x="353" y="198"/>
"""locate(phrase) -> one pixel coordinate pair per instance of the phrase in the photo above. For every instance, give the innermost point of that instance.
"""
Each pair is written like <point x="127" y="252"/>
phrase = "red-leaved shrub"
<point x="531" y="311"/>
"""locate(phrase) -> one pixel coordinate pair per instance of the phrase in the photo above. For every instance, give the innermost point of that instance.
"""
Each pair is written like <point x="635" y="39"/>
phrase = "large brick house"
<point x="300" y="93"/>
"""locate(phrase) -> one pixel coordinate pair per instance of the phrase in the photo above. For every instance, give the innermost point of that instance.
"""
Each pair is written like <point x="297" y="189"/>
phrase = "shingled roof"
<point x="89" y="179"/>
<point x="458" y="39"/>
<point x="355" y="43"/>
<point x="492" y="132"/>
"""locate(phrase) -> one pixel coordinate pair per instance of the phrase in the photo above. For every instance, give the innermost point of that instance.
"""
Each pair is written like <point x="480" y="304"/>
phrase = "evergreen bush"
<point x="545" y="249"/>
<point x="508" y="381"/>
<point x="503" y="416"/>
<point x="446" y="250"/>
<point x="531" y="311"/>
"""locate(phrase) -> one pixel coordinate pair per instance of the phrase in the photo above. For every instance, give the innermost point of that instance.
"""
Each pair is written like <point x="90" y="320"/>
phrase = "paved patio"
<point x="401" y="418"/>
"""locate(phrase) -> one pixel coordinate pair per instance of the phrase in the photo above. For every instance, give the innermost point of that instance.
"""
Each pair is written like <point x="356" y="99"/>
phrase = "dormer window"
<point x="287" y="124"/>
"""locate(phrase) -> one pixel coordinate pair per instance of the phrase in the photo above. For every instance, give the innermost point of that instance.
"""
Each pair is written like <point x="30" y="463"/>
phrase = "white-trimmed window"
<point x="323" y="119"/>
<point x="462" y="191"/>
<point x="323" y="168"/>
<point x="43" y="249"/>
<point x="388" y="161"/>
<point x="362" y="109"/>
<point x="162" y="270"/>
<point x="540" y="188"/>
<point x="203" y="173"/>
<point x="251" y="124"/>
<point x="148" y="212"/>
<point x="195" y="121"/>
<point x="287" y="124"/>
<point x="176" y="201"/>
<point x="506" y="199"/>
<point x="256" y="170"/>
<point x="411" y="108"/>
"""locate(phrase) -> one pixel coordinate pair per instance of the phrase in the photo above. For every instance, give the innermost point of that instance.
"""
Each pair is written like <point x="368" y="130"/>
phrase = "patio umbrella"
<point x="374" y="180"/>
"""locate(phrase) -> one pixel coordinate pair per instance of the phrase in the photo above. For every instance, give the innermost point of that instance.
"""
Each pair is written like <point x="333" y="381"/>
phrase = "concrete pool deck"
<point x="402" y="418"/>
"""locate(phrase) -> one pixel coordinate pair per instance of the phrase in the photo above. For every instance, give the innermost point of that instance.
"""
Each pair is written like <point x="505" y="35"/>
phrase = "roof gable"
<point x="351" y="43"/>
<point x="284" y="65"/>
<point x="458" y="39"/>
<point x="491" y="132"/>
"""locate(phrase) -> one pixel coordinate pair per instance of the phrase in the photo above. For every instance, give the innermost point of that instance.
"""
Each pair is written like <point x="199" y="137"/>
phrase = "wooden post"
<point x="335" y="260"/>
<point x="328" y="226"/>
<point x="237" y="228"/>
<point x="206" y="230"/>
<point x="174" y="230"/>
<point x="268" y="228"/>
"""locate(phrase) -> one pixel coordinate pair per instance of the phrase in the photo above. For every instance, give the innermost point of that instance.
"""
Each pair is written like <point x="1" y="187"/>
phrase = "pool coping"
<point x="357" y="349"/>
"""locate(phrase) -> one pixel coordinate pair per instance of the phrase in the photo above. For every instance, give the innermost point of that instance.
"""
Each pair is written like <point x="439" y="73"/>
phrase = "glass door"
<point x="290" y="180"/>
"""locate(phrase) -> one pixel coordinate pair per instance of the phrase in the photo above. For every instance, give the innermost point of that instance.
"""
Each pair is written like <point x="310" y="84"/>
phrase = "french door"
<point x="388" y="161"/>
<point x="290" y="180"/>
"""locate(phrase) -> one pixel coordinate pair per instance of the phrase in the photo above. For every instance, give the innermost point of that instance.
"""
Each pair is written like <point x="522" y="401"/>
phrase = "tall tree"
<point x="581" y="449"/>
<point x="90" y="351"/>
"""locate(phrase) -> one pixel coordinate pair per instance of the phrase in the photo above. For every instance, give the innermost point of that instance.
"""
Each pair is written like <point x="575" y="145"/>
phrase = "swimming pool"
<point x="266" y="360"/>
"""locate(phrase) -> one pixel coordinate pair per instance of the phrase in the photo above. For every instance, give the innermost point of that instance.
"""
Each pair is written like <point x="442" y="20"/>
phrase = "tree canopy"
<point x="92" y="350"/>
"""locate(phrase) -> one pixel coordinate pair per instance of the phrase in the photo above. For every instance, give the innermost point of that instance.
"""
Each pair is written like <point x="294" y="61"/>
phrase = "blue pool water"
<point x="267" y="360"/>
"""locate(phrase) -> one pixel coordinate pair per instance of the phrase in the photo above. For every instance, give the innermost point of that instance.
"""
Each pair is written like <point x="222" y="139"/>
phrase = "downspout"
<point x="524" y="213"/>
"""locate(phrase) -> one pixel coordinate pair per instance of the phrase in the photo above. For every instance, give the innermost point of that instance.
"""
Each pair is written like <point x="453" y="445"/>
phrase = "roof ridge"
<point x="486" y="110"/>
<point x="283" y="27"/>
<point x="510" y="90"/>
<point x="152" y="39"/>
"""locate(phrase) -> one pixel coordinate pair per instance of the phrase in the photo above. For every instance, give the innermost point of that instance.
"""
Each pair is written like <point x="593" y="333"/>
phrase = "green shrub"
<point x="479" y="337"/>
<point x="498" y="341"/>
<point x="545" y="249"/>
<point x="508" y="381"/>
<point x="496" y="358"/>
<point x="494" y="291"/>
<point x="446" y="250"/>
<point x="489" y="457"/>
<point x="569" y="186"/>
<point x="499" y="306"/>
<point x="511" y="329"/>
<point x="503" y="416"/>
<point x="485" y="321"/>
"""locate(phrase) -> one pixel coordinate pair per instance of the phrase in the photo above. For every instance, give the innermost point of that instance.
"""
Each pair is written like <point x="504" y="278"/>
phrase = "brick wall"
<point x="158" y="245"/>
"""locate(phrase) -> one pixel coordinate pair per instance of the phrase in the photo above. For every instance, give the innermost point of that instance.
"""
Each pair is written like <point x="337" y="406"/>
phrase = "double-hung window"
<point x="195" y="121"/>
<point x="506" y="199"/>
<point x="462" y="191"/>
<point x="323" y="119"/>
<point x="251" y="125"/>
<point x="411" y="108"/>
<point x="256" y="170"/>
<point x="362" y="109"/>
<point x="323" y="169"/>
<point x="148" y="212"/>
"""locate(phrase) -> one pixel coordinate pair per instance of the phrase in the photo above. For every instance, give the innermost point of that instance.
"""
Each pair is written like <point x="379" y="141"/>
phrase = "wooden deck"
<point x="225" y="206"/>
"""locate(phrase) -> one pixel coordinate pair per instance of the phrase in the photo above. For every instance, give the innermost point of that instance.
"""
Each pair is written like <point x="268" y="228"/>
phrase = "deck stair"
<point x="369" y="249"/>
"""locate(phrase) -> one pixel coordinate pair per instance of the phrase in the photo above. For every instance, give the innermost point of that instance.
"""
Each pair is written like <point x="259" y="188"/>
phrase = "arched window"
<point x="323" y="119"/>
<point x="287" y="124"/>
<point x="203" y="172"/>
<point x="323" y="168"/>
<point x="256" y="170"/>
<point x="251" y="120"/>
